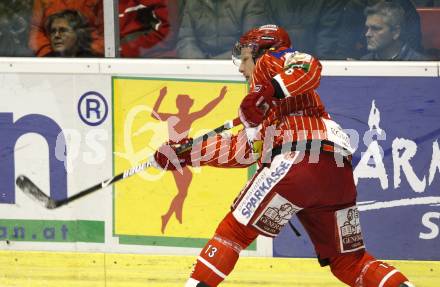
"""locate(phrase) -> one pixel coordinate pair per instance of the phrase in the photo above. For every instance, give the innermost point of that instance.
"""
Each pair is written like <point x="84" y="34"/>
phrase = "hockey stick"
<point x="30" y="189"/>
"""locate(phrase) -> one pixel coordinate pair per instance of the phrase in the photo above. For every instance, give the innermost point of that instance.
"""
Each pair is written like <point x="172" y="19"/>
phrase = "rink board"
<point x="67" y="132"/>
<point x="45" y="96"/>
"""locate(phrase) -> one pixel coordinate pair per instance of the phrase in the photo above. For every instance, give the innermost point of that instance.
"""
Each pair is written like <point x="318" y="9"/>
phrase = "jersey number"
<point x="211" y="250"/>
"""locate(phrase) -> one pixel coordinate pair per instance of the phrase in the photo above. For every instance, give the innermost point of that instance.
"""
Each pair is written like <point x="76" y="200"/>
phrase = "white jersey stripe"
<point x="212" y="267"/>
<point x="384" y="279"/>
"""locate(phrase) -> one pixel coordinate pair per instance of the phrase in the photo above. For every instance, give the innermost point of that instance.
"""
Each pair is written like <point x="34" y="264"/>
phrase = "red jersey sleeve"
<point x="300" y="73"/>
<point x="224" y="151"/>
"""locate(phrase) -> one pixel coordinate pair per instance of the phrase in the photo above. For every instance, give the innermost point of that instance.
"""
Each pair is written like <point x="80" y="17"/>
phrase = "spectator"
<point x="69" y="35"/>
<point x="92" y="10"/>
<point x="313" y="24"/>
<point x="14" y="28"/>
<point x="384" y="26"/>
<point x="352" y="43"/>
<point x="148" y="28"/>
<point x="210" y="27"/>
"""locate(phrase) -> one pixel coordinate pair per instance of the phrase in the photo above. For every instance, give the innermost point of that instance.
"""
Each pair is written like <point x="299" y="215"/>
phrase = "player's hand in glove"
<point x="255" y="105"/>
<point x="170" y="155"/>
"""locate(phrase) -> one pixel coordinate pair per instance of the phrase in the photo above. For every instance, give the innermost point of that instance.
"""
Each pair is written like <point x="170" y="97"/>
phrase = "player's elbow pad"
<point x="278" y="92"/>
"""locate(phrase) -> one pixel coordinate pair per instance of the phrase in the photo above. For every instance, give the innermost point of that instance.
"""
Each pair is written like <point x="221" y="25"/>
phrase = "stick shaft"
<point x="58" y="203"/>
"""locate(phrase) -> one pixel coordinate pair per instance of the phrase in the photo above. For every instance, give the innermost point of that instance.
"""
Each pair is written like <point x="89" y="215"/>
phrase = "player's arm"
<point x="217" y="151"/>
<point x="301" y="73"/>
<point x="224" y="150"/>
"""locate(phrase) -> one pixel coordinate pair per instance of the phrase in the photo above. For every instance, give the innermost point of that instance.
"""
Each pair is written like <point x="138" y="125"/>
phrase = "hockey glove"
<point x="255" y="105"/>
<point x="167" y="158"/>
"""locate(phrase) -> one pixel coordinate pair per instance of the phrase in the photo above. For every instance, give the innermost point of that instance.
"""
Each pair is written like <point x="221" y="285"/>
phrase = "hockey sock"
<point x="361" y="269"/>
<point x="378" y="273"/>
<point x="217" y="259"/>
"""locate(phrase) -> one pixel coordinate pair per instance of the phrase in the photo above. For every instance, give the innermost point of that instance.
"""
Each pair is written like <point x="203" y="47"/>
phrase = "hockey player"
<point x="307" y="172"/>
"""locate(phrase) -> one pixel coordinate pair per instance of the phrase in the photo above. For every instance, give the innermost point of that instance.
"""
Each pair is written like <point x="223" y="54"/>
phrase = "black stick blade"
<point x="30" y="189"/>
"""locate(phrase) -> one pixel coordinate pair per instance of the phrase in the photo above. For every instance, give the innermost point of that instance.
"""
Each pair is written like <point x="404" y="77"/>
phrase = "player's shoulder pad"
<point x="297" y="60"/>
<point x="280" y="52"/>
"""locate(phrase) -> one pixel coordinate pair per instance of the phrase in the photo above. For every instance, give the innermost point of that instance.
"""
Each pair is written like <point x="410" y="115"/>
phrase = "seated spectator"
<point x="352" y="43"/>
<point x="92" y="10"/>
<point x="14" y="28"/>
<point x="312" y="24"/>
<point x="69" y="35"/>
<point x="210" y="28"/>
<point x="148" y="28"/>
<point x="384" y="26"/>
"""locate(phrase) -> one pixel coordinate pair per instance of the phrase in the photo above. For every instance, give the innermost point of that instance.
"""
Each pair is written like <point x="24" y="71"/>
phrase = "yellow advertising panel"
<point x="170" y="208"/>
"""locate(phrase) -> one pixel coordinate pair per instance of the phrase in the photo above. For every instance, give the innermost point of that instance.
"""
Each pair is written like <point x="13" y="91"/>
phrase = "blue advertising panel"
<point x="396" y="164"/>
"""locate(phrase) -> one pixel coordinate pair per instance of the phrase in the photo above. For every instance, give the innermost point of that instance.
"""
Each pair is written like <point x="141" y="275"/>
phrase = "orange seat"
<point x="430" y="26"/>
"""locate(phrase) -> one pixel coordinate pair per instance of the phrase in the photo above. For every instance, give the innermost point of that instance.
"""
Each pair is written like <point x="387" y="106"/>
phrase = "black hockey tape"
<point x="31" y="190"/>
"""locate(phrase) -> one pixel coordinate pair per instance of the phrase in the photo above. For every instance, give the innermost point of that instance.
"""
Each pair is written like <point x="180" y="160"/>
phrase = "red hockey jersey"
<point x="300" y="116"/>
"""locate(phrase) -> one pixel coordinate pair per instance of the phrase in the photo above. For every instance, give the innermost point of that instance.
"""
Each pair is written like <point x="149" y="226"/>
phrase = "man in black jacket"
<point x="384" y="25"/>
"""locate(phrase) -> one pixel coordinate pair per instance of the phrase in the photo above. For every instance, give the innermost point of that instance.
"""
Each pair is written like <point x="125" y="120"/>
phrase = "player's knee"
<point x="236" y="232"/>
<point x="361" y="269"/>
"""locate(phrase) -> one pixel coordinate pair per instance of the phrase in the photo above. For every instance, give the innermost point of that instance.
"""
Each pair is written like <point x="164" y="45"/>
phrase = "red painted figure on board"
<point x="179" y="125"/>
